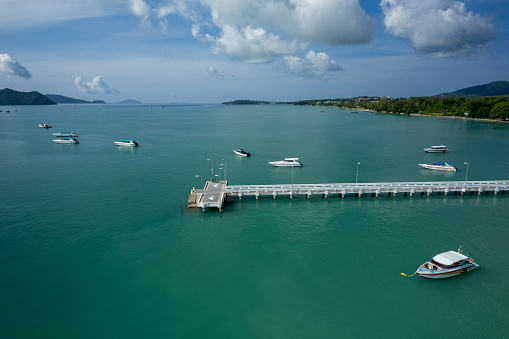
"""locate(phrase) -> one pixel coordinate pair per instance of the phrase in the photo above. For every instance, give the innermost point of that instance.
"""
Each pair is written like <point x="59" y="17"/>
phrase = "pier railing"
<point x="390" y="188"/>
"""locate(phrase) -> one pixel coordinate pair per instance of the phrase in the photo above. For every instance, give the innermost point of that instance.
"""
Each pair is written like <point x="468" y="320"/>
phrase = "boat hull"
<point x="126" y="143"/>
<point x="279" y="164"/>
<point x="428" y="150"/>
<point x="439" y="168"/>
<point x="66" y="141"/>
<point x="242" y="154"/>
<point x="446" y="273"/>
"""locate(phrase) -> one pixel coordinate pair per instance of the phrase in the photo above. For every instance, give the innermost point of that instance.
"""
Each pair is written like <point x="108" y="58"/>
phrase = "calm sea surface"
<point x="96" y="240"/>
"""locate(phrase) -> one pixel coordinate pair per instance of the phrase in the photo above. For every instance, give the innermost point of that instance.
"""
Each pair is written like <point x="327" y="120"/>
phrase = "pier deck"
<point x="220" y="190"/>
<point x="212" y="195"/>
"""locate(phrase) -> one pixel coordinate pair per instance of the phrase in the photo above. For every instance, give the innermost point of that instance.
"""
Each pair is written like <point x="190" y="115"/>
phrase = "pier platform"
<point x="216" y="192"/>
<point x="212" y="195"/>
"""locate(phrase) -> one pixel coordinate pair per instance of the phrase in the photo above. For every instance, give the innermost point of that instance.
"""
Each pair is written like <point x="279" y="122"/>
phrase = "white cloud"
<point x="258" y="31"/>
<point x="13" y="67"/>
<point x="96" y="86"/>
<point x="441" y="27"/>
<point x="141" y="10"/>
<point x="212" y="71"/>
<point x="314" y="65"/>
<point x="335" y="22"/>
<point x="251" y="45"/>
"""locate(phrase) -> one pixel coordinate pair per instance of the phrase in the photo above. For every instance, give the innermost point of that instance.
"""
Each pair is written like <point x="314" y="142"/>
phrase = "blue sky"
<point x="210" y="51"/>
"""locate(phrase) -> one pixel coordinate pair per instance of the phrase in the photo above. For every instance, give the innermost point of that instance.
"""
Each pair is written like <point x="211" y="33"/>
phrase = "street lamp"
<point x="211" y="167"/>
<point x="201" y="179"/>
<point x="466" y="175"/>
<point x="292" y="180"/>
<point x="225" y="169"/>
<point x="357" y="175"/>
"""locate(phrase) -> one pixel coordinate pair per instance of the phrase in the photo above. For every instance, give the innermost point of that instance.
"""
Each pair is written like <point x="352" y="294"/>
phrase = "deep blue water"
<point x="96" y="240"/>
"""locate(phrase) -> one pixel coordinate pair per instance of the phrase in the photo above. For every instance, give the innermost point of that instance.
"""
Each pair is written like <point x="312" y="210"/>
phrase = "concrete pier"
<point x="214" y="193"/>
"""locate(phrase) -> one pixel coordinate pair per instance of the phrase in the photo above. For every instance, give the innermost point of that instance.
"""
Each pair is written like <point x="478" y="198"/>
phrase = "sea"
<point x="96" y="240"/>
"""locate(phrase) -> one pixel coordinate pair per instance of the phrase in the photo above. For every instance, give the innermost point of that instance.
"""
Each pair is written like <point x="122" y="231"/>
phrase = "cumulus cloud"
<point x="262" y="30"/>
<point x="251" y="45"/>
<point x="440" y="27"/>
<point x="96" y="86"/>
<point x="13" y="67"/>
<point x="141" y="10"/>
<point x="212" y="71"/>
<point x="335" y="22"/>
<point x="314" y="65"/>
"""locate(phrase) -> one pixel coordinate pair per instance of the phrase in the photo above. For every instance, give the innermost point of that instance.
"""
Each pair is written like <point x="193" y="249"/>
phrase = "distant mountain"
<point x="9" y="97"/>
<point x="60" y="99"/>
<point x="492" y="89"/>
<point x="129" y="102"/>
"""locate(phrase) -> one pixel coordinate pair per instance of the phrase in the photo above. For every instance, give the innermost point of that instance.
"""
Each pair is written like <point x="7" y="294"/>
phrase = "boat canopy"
<point x="291" y="159"/>
<point x="441" y="163"/>
<point x="449" y="258"/>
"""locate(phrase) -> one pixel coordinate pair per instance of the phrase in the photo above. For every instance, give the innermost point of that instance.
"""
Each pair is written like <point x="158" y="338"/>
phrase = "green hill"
<point x="9" y="97"/>
<point x="493" y="89"/>
<point x="60" y="99"/>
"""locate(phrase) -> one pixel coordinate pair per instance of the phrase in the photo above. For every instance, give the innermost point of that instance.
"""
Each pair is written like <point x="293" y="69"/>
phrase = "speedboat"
<point x="130" y="143"/>
<point x="436" y="149"/>
<point x="65" y="134"/>
<point x="286" y="162"/>
<point x="45" y="126"/>
<point x="446" y="265"/>
<point x="66" y="141"/>
<point x="441" y="166"/>
<point x="241" y="152"/>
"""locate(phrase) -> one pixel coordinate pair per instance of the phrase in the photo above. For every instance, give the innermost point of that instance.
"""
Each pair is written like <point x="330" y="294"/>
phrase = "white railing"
<point x="386" y="186"/>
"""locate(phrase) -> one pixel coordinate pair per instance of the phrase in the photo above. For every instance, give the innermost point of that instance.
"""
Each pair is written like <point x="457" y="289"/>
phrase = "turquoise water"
<point x="96" y="240"/>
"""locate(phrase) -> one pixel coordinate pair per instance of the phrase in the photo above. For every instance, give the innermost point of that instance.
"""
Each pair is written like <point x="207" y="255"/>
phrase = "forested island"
<point x="490" y="101"/>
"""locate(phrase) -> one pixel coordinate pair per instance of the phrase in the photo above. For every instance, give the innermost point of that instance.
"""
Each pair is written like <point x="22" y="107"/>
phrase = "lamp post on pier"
<point x="466" y="175"/>
<point x="357" y="175"/>
<point x="225" y="169"/>
<point x="211" y="168"/>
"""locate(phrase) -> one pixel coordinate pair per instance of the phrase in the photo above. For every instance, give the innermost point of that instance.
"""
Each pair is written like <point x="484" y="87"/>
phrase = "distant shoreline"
<point x="433" y="116"/>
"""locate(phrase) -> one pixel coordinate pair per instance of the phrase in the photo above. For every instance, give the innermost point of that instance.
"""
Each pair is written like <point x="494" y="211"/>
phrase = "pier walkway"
<point x="212" y="195"/>
<point x="222" y="190"/>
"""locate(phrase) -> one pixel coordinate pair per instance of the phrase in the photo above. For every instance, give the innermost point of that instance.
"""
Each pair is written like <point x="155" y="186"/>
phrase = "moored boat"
<point x="241" y="152"/>
<point x="45" y="126"/>
<point x="65" y="134"/>
<point x="66" y="141"/>
<point x="446" y="265"/>
<point x="436" y="149"/>
<point x="440" y="166"/>
<point x="130" y="143"/>
<point x="287" y="162"/>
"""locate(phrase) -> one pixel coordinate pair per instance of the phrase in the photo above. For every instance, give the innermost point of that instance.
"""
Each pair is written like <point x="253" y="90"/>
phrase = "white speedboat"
<point x="286" y="162"/>
<point x="446" y="265"/>
<point x="130" y="143"/>
<point x="440" y="166"/>
<point x="436" y="149"/>
<point x="45" y="126"/>
<point x="66" y="141"/>
<point x="241" y="152"/>
<point x="65" y="134"/>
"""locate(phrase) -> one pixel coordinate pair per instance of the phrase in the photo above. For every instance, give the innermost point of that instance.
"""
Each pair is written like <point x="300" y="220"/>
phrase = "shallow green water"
<point x="94" y="242"/>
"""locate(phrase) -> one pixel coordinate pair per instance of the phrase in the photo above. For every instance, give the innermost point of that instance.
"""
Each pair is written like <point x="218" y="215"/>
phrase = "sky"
<point x="210" y="51"/>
